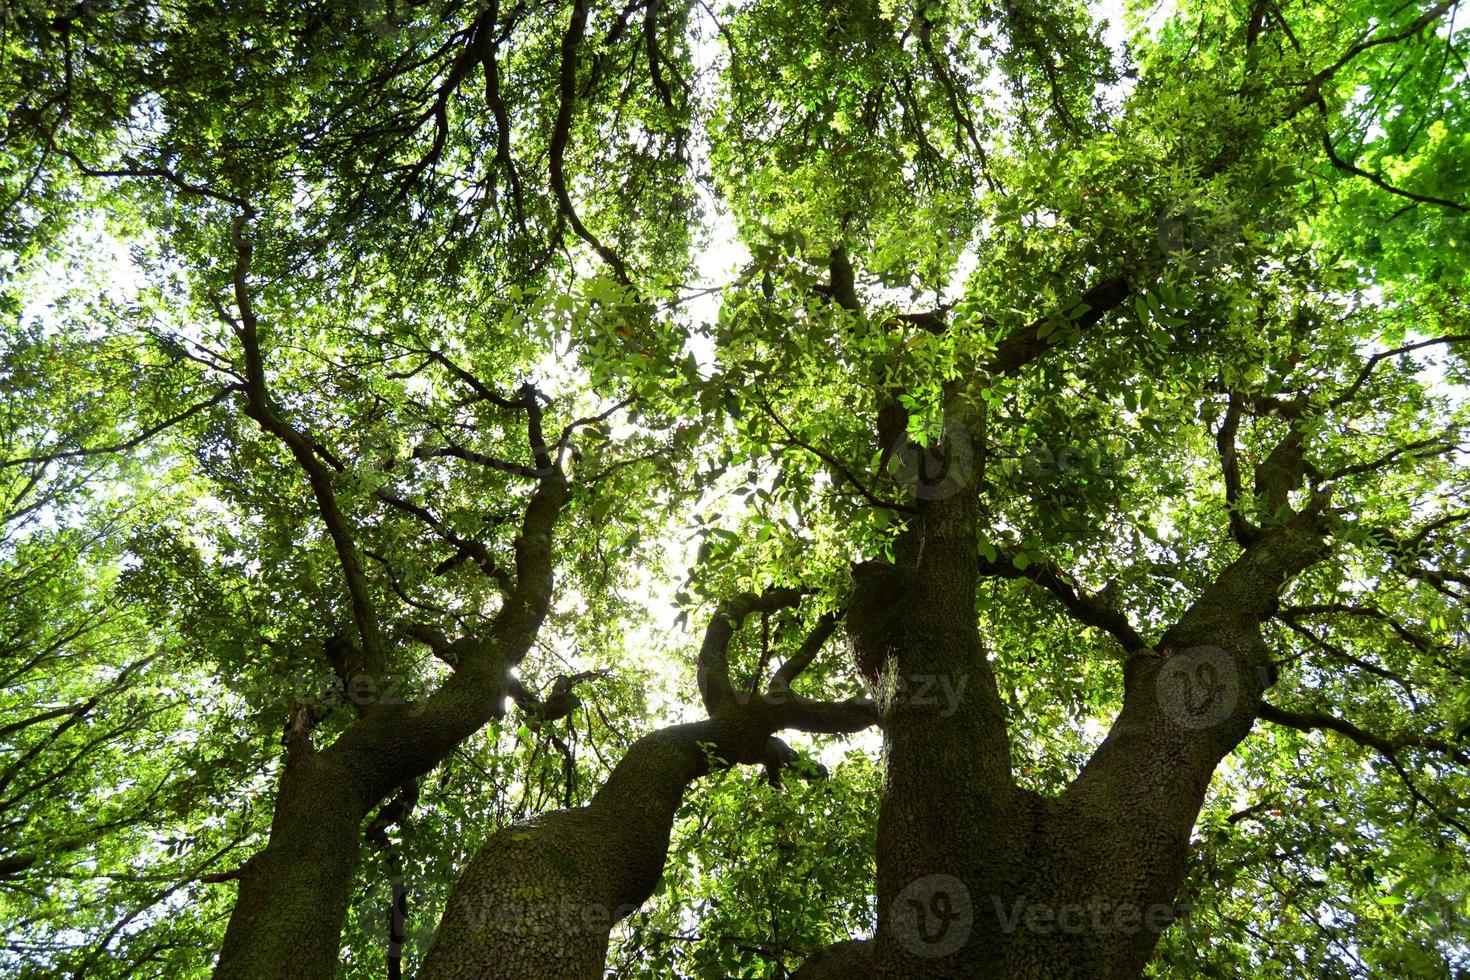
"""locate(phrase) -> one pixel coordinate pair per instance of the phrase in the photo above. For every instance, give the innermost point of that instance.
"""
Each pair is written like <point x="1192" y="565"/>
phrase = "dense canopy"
<point x="445" y="446"/>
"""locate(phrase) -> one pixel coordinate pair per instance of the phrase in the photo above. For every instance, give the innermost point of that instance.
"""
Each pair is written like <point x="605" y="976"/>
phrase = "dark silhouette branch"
<point x="1309" y="721"/>
<point x="127" y="444"/>
<point x="561" y="135"/>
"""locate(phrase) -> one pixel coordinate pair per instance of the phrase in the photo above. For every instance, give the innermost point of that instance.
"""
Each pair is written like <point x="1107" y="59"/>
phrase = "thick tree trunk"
<point x="950" y="826"/>
<point x="293" y="895"/>
<point x="539" y="898"/>
<point x="977" y="878"/>
<point x="840" y="961"/>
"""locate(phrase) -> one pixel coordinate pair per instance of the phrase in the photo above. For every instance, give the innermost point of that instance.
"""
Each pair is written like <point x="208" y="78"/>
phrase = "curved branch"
<point x="1418" y="24"/>
<point x="1373" y="362"/>
<point x="1021" y="346"/>
<point x="1378" y="181"/>
<point x="836" y="465"/>
<point x="480" y="459"/>
<point x="1419" y="449"/>
<point x="713" y="672"/>
<point x="805" y="654"/>
<point x="128" y="444"/>
<point x="1091" y="610"/>
<point x="259" y="406"/>
<point x="1242" y="530"/>
<point x="617" y="844"/>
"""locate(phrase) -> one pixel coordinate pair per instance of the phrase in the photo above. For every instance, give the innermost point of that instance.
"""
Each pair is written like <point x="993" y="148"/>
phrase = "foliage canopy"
<point x="303" y="301"/>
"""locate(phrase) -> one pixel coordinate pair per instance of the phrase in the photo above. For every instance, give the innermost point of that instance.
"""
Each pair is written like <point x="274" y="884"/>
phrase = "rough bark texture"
<point x="977" y="877"/>
<point x="539" y="898"/>
<point x="288" y="891"/>
<point x="950" y="822"/>
<point x="840" y="961"/>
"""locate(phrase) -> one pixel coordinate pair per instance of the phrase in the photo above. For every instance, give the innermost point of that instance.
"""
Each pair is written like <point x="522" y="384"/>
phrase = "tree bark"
<point x="950" y="820"/>
<point x="977" y="877"/>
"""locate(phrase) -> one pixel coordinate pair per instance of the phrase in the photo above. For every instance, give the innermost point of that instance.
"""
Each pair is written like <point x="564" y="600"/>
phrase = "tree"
<point x="1084" y="418"/>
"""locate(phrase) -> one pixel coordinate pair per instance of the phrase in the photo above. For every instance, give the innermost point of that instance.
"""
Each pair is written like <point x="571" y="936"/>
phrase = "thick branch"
<point x="1187" y="703"/>
<point x="478" y="458"/>
<point x="846" y="960"/>
<point x="805" y="654"/>
<point x="1088" y="609"/>
<point x="1020" y="347"/>
<point x="1240" y="529"/>
<point x="618" y="843"/>
<point x="464" y="548"/>
<point x="260" y="407"/>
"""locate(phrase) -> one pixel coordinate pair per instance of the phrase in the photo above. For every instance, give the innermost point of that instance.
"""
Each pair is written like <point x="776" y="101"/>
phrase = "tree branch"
<point x="1373" y="362"/>
<point x="805" y="654"/>
<point x="128" y="444"/>
<point x="259" y="407"/>
<point x="713" y="672"/>
<point x="832" y="462"/>
<point x="1021" y="346"/>
<point x="1242" y="530"/>
<point x="1309" y="721"/>
<point x="1087" y="609"/>
<point x="561" y="135"/>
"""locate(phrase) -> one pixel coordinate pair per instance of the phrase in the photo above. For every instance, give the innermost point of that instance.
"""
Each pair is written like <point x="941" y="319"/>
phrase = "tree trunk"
<point x="539" y="898"/>
<point x="288" y="915"/>
<point x="950" y="825"/>
<point x="977" y="877"/>
<point x="293" y="895"/>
